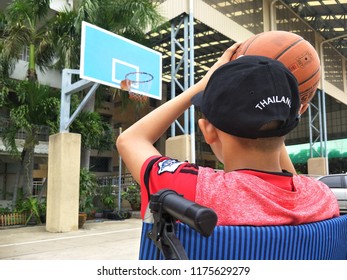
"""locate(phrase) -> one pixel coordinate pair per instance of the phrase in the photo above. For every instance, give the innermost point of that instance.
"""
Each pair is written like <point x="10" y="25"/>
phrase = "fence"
<point x="126" y="180"/>
<point x="12" y="219"/>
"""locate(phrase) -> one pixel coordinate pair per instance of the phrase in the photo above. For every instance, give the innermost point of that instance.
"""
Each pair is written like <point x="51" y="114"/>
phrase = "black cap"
<point x="249" y="92"/>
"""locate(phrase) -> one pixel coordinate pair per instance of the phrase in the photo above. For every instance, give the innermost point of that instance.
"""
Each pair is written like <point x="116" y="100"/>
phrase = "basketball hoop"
<point x="140" y="81"/>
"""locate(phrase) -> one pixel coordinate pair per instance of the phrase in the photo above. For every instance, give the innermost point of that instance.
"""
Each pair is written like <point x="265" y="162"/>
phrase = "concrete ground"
<point x="97" y="240"/>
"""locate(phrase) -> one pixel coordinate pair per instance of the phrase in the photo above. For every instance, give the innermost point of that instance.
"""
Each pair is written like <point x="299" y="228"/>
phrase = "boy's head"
<point x="247" y="96"/>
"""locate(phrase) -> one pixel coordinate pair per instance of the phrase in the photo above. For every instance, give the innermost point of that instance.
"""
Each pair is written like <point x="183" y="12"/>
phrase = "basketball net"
<point x="137" y="80"/>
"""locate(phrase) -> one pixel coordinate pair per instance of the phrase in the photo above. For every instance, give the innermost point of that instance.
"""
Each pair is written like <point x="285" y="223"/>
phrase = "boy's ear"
<point x="208" y="130"/>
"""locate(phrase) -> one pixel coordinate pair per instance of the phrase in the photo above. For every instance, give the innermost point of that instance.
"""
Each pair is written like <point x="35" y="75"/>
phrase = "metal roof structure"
<point x="209" y="45"/>
<point x="326" y="17"/>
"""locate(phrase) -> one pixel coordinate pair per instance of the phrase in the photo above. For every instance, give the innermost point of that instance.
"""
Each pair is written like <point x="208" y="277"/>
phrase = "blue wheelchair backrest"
<point x="324" y="240"/>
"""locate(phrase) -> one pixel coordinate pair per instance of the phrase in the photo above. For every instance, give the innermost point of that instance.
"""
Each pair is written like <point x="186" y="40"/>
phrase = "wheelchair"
<point x="179" y="229"/>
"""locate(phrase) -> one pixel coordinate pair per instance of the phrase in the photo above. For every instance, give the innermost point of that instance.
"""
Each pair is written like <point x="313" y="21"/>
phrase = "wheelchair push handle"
<point x="200" y="218"/>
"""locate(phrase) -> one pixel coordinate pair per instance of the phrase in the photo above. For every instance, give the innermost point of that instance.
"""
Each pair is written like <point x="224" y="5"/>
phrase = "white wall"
<point x="51" y="77"/>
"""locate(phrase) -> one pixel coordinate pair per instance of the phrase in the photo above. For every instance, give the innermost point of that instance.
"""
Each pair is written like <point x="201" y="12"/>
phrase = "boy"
<point x="249" y="105"/>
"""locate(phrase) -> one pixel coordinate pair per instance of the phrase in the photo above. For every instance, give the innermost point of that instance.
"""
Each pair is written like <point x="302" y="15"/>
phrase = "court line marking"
<point x="67" y="237"/>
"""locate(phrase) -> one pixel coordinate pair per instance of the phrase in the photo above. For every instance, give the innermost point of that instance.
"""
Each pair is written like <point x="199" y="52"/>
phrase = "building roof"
<point x="327" y="17"/>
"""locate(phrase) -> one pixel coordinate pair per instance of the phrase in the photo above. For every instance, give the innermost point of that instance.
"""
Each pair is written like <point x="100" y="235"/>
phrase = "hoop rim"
<point x="141" y="73"/>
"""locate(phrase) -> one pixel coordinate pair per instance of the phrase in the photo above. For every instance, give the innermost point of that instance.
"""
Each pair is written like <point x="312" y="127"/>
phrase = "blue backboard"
<point x="108" y="59"/>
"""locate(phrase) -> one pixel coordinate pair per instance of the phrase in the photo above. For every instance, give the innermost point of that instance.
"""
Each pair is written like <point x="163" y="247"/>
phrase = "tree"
<point x="128" y="18"/>
<point x="6" y="63"/>
<point x="24" y="28"/>
<point x="31" y="106"/>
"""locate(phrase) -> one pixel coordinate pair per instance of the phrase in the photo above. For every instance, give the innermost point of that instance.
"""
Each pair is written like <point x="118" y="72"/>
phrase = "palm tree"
<point x="128" y="18"/>
<point x="6" y="63"/>
<point x="30" y="104"/>
<point x="25" y="28"/>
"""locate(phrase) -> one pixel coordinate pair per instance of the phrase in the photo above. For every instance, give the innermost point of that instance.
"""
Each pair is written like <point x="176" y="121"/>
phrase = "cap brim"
<point x="197" y="99"/>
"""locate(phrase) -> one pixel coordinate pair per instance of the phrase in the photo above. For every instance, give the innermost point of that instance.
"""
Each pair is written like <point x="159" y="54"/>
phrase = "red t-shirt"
<point x="242" y="197"/>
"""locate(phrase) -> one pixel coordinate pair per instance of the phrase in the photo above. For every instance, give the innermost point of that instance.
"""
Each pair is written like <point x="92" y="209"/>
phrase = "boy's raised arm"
<point x="135" y="144"/>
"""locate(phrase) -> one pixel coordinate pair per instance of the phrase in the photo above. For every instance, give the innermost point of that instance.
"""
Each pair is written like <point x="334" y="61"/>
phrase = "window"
<point x="344" y="180"/>
<point x="332" y="181"/>
<point x="100" y="164"/>
<point x="25" y="54"/>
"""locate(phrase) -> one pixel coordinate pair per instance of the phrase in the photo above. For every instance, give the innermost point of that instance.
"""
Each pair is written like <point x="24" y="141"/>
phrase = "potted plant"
<point x="42" y="211"/>
<point x="108" y="199"/>
<point x="99" y="214"/>
<point x="88" y="185"/>
<point x="132" y="195"/>
<point x="31" y="206"/>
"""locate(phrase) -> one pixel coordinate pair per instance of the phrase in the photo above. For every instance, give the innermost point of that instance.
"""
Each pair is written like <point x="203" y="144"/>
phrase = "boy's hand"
<point x="225" y="58"/>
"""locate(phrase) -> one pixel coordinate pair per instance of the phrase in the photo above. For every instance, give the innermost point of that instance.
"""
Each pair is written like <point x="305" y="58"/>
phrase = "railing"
<point x="43" y="133"/>
<point x="39" y="188"/>
<point x="125" y="180"/>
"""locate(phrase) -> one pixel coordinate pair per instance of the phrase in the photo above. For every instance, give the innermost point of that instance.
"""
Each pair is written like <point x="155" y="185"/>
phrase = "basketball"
<point x="297" y="54"/>
<point x="125" y="84"/>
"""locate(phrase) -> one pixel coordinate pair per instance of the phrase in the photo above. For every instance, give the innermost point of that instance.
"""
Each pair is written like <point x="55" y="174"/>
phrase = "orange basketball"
<point x="125" y="84"/>
<point x="293" y="51"/>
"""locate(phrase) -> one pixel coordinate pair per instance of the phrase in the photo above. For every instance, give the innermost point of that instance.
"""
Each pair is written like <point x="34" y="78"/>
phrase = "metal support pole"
<point x="324" y="117"/>
<point x="324" y="121"/>
<point x="175" y="67"/>
<point x="186" y="72"/>
<point x="185" y="61"/>
<point x="69" y="88"/>
<point x="273" y="25"/>
<point x="310" y="130"/>
<point x="120" y="178"/>
<point x="314" y="132"/>
<point x="182" y="63"/>
<point x="191" y="81"/>
<point x="173" y="64"/>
